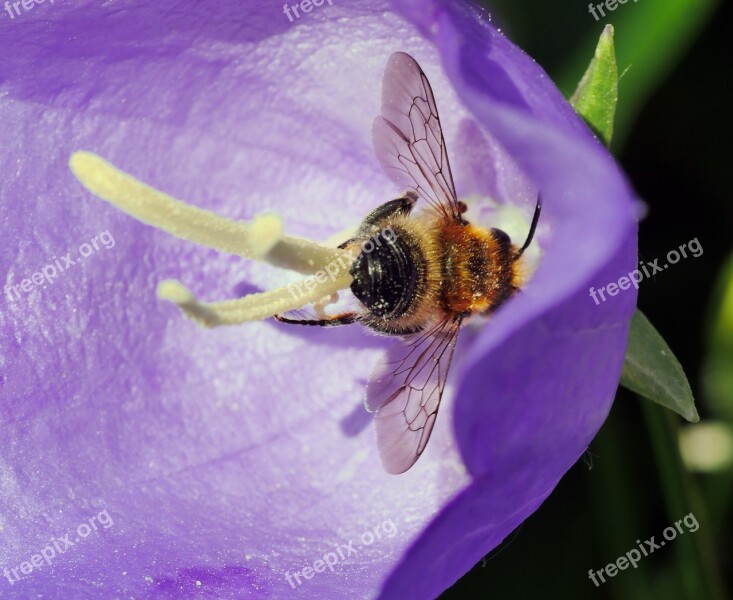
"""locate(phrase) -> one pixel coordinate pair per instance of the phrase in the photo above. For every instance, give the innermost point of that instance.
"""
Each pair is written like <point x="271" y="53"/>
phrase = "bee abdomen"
<point x="477" y="269"/>
<point x="387" y="278"/>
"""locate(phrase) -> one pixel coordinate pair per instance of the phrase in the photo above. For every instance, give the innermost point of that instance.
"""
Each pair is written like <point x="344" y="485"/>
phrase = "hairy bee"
<point x="422" y="281"/>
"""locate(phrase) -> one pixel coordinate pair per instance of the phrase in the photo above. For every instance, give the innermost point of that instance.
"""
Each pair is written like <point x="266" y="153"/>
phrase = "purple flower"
<point x="157" y="459"/>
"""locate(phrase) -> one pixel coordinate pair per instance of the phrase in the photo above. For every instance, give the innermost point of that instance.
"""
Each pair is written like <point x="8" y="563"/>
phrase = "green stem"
<point x="616" y="504"/>
<point x="697" y="565"/>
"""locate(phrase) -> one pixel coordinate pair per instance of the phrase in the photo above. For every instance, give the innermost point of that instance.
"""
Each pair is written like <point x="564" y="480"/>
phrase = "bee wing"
<point x="405" y="390"/>
<point x="408" y="139"/>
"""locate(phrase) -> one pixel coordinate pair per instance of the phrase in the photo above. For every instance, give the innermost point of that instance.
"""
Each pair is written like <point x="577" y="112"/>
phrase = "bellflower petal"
<point x="226" y="461"/>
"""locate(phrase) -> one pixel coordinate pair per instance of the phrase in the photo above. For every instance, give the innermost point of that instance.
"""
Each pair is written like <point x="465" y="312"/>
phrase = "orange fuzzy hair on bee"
<point x="461" y="269"/>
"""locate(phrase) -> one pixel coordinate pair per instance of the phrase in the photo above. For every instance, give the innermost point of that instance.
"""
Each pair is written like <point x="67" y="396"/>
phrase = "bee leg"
<point x="401" y="205"/>
<point x="346" y="319"/>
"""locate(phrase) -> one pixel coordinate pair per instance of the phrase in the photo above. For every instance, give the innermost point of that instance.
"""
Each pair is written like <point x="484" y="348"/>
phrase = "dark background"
<point x="672" y="138"/>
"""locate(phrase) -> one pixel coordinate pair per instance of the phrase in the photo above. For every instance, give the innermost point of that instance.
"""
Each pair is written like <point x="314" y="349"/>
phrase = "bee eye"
<point x="502" y="238"/>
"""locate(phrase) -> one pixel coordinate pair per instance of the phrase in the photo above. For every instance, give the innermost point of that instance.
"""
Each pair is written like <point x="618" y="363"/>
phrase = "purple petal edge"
<point x="230" y="458"/>
<point x="515" y="394"/>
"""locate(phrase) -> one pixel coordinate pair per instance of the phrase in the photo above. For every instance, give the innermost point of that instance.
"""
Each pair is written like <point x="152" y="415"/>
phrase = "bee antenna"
<point x="532" y="227"/>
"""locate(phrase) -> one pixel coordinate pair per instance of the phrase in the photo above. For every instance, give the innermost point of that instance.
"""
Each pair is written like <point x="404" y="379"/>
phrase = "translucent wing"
<point x="408" y="139"/>
<point x="405" y="390"/>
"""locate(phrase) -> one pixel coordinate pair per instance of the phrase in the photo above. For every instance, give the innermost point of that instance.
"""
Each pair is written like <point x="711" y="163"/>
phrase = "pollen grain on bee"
<point x="343" y="262"/>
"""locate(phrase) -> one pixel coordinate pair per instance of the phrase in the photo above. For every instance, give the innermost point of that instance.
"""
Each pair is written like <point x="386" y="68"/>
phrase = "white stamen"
<point x="262" y="239"/>
<point x="253" y="307"/>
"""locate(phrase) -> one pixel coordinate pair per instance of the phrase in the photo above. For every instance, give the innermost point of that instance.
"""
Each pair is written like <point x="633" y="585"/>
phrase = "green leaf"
<point x="652" y="37"/>
<point x="596" y="96"/>
<point x="650" y="367"/>
<point x="651" y="370"/>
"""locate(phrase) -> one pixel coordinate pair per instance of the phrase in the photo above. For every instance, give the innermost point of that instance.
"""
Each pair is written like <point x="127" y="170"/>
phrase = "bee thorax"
<point x="386" y="276"/>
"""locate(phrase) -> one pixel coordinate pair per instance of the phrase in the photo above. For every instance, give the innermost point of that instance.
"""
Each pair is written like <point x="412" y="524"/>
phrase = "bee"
<point x="423" y="281"/>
